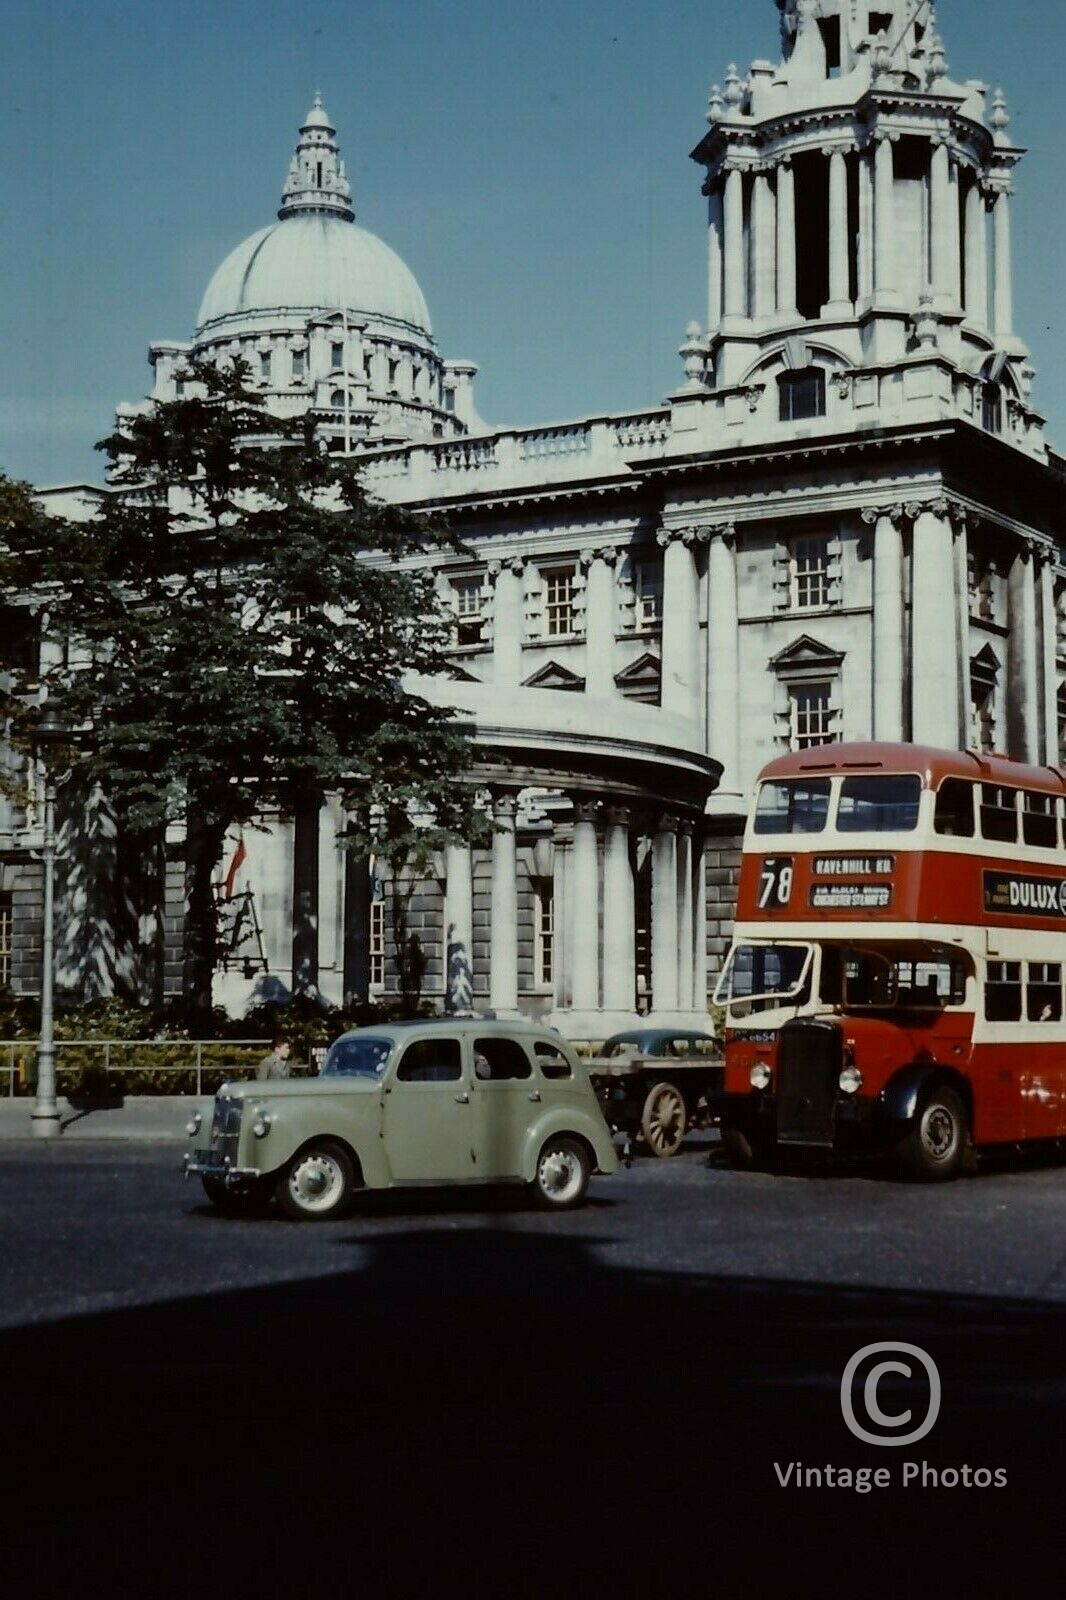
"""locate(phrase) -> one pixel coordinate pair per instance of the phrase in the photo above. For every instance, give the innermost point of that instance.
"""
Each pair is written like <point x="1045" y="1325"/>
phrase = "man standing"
<point x="276" y="1064"/>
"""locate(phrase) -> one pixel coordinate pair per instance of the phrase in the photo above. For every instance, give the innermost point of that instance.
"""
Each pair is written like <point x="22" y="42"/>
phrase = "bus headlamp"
<point x="850" y="1080"/>
<point x="760" y="1075"/>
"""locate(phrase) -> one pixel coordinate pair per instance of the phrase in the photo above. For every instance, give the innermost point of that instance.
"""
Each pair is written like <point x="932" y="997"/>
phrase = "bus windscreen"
<point x="880" y="804"/>
<point x="795" y="806"/>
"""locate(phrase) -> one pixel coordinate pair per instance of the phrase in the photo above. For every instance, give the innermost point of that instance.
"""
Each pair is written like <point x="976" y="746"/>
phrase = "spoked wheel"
<point x="318" y="1182"/>
<point x="934" y="1147"/>
<point x="243" y="1199"/>
<point x="664" y="1119"/>
<point x="562" y="1177"/>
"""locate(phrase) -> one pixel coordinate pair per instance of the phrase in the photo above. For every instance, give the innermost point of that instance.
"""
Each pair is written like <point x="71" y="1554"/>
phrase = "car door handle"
<point x="462" y="1099"/>
<point x="534" y="1094"/>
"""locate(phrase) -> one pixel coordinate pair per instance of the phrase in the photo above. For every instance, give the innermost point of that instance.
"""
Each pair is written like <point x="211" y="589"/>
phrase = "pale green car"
<point x="440" y="1101"/>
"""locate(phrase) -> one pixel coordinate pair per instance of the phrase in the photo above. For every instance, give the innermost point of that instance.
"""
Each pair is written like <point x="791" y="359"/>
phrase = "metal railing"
<point x="194" y="1057"/>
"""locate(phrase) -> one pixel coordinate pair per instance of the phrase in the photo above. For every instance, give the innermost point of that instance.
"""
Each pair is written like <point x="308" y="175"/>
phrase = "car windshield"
<point x="363" y="1057"/>
<point x="765" y="974"/>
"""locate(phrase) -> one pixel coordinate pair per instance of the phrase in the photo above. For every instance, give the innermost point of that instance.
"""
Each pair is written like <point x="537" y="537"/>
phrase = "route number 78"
<point x="775" y="882"/>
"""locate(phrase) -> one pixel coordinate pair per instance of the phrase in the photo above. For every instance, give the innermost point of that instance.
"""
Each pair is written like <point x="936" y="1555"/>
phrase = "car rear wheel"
<point x="934" y="1146"/>
<point x="318" y="1182"/>
<point x="664" y="1119"/>
<point x="562" y="1176"/>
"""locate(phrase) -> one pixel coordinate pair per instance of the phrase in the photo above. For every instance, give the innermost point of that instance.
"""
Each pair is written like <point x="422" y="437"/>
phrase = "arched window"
<point x="802" y="394"/>
<point x="992" y="408"/>
<point x="336" y="399"/>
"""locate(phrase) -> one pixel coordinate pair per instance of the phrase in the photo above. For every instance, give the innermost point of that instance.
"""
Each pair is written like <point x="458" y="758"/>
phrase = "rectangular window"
<point x="808" y="573"/>
<point x="982" y="715"/>
<point x="468" y="595"/>
<point x="1043" y="991"/>
<point x="1003" y="991"/>
<point x="264" y="366"/>
<point x="801" y="395"/>
<point x="879" y="805"/>
<point x="299" y="363"/>
<point x="1039" y="823"/>
<point x="649" y="594"/>
<point x="810" y="715"/>
<point x="544" y="935"/>
<point x="999" y="813"/>
<point x="6" y="922"/>
<point x="954" y="808"/>
<point x="800" y="807"/>
<point x="377" y="944"/>
<point x="559" y="602"/>
<point x="336" y="357"/>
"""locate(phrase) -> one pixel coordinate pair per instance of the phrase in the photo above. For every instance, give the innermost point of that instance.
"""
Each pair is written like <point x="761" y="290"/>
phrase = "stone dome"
<point x="312" y="262"/>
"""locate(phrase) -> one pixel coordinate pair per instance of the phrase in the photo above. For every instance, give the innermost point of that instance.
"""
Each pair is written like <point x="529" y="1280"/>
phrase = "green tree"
<point x="234" y="630"/>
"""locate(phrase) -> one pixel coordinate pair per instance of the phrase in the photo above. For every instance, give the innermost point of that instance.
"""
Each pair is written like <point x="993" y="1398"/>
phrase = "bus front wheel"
<point x="934" y="1146"/>
<point x="746" y="1149"/>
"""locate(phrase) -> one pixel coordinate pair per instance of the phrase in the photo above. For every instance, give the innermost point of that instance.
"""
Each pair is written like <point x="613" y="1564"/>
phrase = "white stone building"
<point x="845" y="523"/>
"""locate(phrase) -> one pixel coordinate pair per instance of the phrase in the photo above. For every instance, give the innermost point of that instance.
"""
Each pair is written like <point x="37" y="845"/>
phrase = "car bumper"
<point x="209" y="1165"/>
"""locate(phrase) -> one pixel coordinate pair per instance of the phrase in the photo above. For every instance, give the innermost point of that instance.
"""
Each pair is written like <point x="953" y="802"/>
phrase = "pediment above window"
<point x="806" y="658"/>
<point x="555" y="676"/>
<point x="641" y="680"/>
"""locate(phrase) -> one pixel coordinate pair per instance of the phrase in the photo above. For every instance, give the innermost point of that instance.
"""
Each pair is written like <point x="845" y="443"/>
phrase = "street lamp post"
<point x="45" y="1121"/>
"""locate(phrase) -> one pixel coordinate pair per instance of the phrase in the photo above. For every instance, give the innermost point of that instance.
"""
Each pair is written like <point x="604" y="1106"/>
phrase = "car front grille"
<point x="226" y="1130"/>
<point x="808" y="1061"/>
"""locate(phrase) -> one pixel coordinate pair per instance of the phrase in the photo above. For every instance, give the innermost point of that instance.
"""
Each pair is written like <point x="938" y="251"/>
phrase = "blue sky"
<point x="530" y="163"/>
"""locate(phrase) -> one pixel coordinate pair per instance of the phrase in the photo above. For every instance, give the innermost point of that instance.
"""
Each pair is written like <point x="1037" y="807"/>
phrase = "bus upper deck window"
<point x="879" y="804"/>
<point x="797" y="806"/>
<point x="954" y="808"/>
<point x="1039" y="822"/>
<point x="999" y="813"/>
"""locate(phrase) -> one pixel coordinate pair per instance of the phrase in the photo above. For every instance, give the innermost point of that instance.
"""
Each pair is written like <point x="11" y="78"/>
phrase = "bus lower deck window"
<point x="1003" y="991"/>
<point x="1043" y="991"/>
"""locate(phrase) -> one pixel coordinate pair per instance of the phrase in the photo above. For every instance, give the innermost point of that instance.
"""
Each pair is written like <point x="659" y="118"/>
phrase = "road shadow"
<point x="498" y="1410"/>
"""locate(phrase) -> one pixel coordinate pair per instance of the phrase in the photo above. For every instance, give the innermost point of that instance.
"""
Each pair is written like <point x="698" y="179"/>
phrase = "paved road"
<point x="442" y="1385"/>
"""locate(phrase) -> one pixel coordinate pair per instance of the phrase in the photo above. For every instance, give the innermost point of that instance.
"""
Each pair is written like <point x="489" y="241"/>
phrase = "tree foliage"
<point x="231" y="633"/>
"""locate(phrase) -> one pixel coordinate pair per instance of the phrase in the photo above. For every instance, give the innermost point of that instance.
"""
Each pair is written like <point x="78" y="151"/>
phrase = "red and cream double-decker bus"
<point x="896" y="977"/>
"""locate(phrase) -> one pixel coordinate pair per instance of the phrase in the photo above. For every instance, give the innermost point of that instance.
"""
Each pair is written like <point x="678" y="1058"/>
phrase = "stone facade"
<point x="845" y="523"/>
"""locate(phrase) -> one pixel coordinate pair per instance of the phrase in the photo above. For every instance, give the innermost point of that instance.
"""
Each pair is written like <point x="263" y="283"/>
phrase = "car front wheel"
<point x="562" y="1176"/>
<point x="318" y="1182"/>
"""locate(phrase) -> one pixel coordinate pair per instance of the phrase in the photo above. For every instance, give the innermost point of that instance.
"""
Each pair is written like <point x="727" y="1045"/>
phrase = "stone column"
<point x="723" y="654"/>
<point x="561" y="917"/>
<point x="786" y="241"/>
<point x="1003" y="310"/>
<point x="888" y="621"/>
<point x="585" y="917"/>
<point x="763" y="265"/>
<point x="680" y="635"/>
<point x="699" y="925"/>
<point x="458" y="929"/>
<point x="1025" y="710"/>
<point x="503" y="959"/>
<point x="935" y="710"/>
<point x="619" y="916"/>
<point x="508" y="620"/>
<point x="356" y="938"/>
<point x="685" y="916"/>
<point x="305" y="859"/>
<point x="976" y="256"/>
<point x="600" y="618"/>
<point x="1049" y="647"/>
<point x="885" y="283"/>
<point x="733" y="222"/>
<point x="960" y="528"/>
<point x="955" y="233"/>
<point x="839" y="274"/>
<point x="715" y="227"/>
<point x="940" y="224"/>
<point x="866" y="227"/>
<point x="664" y="916"/>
